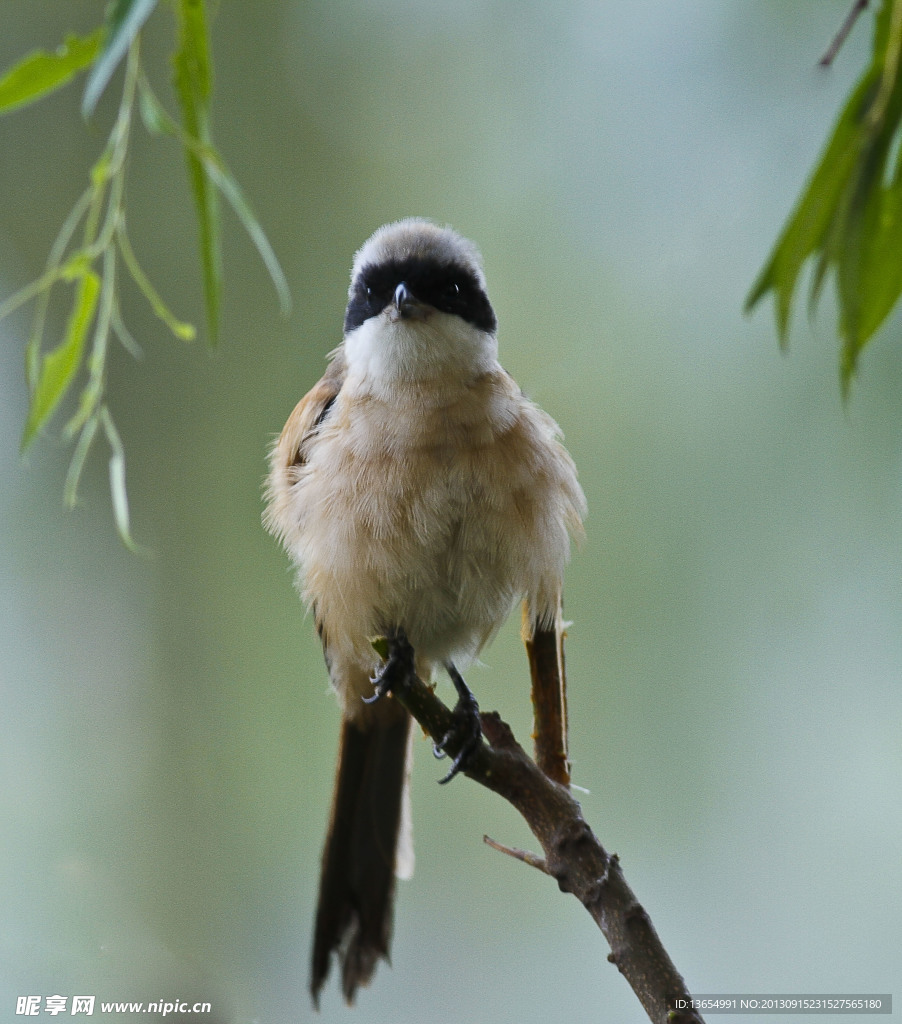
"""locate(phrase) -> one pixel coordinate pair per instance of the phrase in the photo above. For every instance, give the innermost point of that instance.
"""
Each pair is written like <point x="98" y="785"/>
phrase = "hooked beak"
<point x="406" y="306"/>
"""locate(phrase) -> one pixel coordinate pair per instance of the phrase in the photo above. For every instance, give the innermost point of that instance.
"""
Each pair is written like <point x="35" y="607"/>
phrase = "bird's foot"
<point x="397" y="668"/>
<point x="467" y="728"/>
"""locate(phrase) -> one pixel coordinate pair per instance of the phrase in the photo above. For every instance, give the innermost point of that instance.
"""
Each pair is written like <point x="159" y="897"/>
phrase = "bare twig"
<point x="843" y="33"/>
<point x="573" y="855"/>
<point x="532" y="859"/>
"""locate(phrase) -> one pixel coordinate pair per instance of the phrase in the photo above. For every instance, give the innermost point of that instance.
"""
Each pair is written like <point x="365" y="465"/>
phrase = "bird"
<point x="420" y="495"/>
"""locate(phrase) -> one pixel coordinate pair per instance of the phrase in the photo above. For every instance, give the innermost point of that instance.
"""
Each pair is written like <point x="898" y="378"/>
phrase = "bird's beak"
<point x="406" y="306"/>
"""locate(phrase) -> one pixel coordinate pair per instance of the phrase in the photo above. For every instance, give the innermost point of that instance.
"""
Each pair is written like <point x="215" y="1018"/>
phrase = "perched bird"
<point x="420" y="494"/>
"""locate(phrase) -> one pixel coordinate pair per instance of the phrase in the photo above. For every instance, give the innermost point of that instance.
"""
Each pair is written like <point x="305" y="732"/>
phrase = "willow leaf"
<point x="193" y="86"/>
<point x="849" y="217"/>
<point x="41" y="72"/>
<point x="123" y="23"/>
<point x="59" y="367"/>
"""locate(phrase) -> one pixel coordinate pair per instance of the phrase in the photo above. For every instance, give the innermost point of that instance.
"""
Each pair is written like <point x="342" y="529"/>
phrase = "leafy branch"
<point x="90" y="263"/>
<point x="849" y="218"/>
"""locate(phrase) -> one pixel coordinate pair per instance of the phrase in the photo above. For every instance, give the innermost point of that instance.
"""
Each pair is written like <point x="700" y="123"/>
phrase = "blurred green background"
<point x="168" y="739"/>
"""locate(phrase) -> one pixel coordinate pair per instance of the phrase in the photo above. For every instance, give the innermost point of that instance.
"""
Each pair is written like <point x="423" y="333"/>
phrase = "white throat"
<point x="382" y="353"/>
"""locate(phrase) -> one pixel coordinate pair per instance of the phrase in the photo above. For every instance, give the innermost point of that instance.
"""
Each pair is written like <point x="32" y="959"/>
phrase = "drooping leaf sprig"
<point x="849" y="218"/>
<point x="93" y="243"/>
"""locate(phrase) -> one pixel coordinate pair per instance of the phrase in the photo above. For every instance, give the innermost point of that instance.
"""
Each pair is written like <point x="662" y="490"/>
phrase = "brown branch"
<point x="573" y="855"/>
<point x="844" y="29"/>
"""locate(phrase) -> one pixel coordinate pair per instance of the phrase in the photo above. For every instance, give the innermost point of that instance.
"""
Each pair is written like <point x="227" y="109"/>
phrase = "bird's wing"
<point x="301" y="427"/>
<point x="291" y="451"/>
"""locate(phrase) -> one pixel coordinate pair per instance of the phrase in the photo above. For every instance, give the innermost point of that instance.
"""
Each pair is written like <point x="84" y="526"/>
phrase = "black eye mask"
<point x="448" y="287"/>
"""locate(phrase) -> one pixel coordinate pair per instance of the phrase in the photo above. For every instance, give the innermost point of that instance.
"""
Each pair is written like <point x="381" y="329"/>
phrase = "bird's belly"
<point x="423" y="544"/>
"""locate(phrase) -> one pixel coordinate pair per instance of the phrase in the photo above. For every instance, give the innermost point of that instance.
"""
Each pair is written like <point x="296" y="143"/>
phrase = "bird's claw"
<point x="467" y="727"/>
<point x="398" y="666"/>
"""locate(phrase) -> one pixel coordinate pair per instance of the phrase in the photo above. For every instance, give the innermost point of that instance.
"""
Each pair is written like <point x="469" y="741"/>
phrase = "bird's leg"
<point x="398" y="667"/>
<point x="466" y="726"/>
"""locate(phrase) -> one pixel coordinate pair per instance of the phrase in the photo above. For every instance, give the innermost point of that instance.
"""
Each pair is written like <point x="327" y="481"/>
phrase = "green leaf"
<point x="156" y="119"/>
<point x="93" y="390"/>
<point x="123" y="22"/>
<point x="193" y="85"/>
<point x="41" y="72"/>
<point x="57" y="251"/>
<point x="235" y="197"/>
<point x="153" y="114"/>
<point x="118" y="490"/>
<point x="849" y="218"/>
<point x="809" y="225"/>
<point x="124" y="335"/>
<point x="183" y="331"/>
<point x="869" y="280"/>
<point x="73" y="476"/>
<point x="58" y="368"/>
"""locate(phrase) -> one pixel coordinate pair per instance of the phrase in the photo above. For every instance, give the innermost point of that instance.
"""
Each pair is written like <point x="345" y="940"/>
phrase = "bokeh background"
<point x="734" y="664"/>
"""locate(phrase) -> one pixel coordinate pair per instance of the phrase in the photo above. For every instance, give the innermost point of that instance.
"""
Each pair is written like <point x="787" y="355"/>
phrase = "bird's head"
<point x="417" y="306"/>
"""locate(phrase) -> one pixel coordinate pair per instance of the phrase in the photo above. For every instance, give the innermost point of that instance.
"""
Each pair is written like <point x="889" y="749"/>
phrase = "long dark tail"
<point x="357" y="884"/>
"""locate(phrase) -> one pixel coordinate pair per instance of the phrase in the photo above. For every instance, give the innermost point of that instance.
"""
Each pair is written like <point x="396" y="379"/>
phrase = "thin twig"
<point x="843" y="33"/>
<point x="573" y="855"/>
<point x="532" y="859"/>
